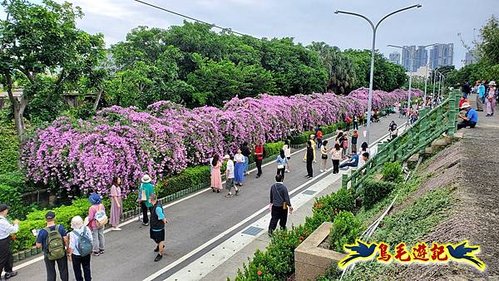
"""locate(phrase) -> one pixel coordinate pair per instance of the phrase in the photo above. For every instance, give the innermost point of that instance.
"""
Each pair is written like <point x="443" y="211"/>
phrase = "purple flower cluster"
<point x="167" y="138"/>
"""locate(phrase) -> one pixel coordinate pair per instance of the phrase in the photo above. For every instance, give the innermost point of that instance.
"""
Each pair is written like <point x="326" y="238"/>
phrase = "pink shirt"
<point x="92" y="223"/>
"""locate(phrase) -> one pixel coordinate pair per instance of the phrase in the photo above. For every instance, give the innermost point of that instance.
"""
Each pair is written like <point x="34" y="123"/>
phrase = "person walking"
<point x="246" y="152"/>
<point x="145" y="190"/>
<point x="259" y="151"/>
<point x="229" y="175"/>
<point x="97" y="220"/>
<point x="336" y="156"/>
<point x="355" y="137"/>
<point x="157" y="230"/>
<point x="239" y="161"/>
<point x="324" y="153"/>
<point x="216" y="176"/>
<point x="281" y="161"/>
<point x="116" y="201"/>
<point x="279" y="205"/>
<point x="490" y="101"/>
<point x="287" y="153"/>
<point x="480" y="99"/>
<point x="80" y="249"/>
<point x="6" y="231"/>
<point x="53" y="240"/>
<point x="356" y="122"/>
<point x="309" y="159"/>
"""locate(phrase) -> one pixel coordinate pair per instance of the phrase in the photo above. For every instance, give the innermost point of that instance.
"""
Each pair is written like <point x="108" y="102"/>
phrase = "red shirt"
<point x="259" y="152"/>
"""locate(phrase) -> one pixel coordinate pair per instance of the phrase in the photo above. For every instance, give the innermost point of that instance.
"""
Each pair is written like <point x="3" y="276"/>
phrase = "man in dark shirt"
<point x="41" y="242"/>
<point x="280" y="204"/>
<point x="158" y="221"/>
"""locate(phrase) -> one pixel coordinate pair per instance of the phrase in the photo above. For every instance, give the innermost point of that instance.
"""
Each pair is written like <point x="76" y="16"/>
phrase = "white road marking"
<point x="40" y="258"/>
<point x="220" y="258"/>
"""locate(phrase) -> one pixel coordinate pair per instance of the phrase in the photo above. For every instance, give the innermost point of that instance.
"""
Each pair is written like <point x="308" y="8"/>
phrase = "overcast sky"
<point x="438" y="21"/>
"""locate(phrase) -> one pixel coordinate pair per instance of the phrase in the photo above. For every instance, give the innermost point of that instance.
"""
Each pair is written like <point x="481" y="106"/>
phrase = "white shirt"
<point x="6" y="228"/>
<point x="287" y="151"/>
<point x="239" y="158"/>
<point x="336" y="154"/>
<point x="73" y="238"/>
<point x="230" y="169"/>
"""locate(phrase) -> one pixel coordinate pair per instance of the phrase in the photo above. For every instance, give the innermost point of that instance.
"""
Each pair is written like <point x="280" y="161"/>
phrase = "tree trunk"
<point x="18" y="107"/>
<point x="97" y="100"/>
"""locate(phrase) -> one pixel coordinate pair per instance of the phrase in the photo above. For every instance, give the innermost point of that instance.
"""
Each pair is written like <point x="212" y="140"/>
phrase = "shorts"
<point x="229" y="184"/>
<point x="157" y="236"/>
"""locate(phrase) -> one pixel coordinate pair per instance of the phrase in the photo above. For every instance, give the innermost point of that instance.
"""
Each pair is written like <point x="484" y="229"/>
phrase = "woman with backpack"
<point x="80" y="248"/>
<point x="97" y="219"/>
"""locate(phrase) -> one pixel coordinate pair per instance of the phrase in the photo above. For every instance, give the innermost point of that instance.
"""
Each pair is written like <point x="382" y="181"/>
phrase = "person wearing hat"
<point x="42" y="242"/>
<point x="490" y="100"/>
<point x="145" y="190"/>
<point x="6" y="230"/>
<point x="469" y="119"/>
<point x="94" y="212"/>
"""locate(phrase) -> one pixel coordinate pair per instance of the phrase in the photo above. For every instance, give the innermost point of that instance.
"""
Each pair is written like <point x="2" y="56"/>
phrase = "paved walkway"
<point x="198" y="224"/>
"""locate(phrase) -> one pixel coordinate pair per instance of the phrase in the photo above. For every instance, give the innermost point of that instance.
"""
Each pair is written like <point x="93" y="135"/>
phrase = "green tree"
<point x="340" y="69"/>
<point x="488" y="47"/>
<point x="387" y="76"/>
<point x="42" y="46"/>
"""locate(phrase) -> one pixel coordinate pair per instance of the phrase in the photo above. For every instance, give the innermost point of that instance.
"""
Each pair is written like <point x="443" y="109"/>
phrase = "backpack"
<point x="55" y="244"/>
<point x="100" y="217"/>
<point x="84" y="244"/>
<point x="393" y="127"/>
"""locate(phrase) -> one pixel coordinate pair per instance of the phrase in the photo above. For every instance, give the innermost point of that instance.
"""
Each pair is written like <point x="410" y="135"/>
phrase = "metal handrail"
<point x="430" y="126"/>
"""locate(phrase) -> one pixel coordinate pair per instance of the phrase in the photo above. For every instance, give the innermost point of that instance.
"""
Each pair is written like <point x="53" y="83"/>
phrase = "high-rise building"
<point x="407" y="56"/>
<point x="441" y="55"/>
<point x="394" y="57"/>
<point x="417" y="54"/>
<point x="470" y="57"/>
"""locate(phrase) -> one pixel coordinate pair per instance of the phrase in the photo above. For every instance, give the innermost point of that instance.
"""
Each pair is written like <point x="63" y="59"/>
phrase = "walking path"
<point x="202" y="223"/>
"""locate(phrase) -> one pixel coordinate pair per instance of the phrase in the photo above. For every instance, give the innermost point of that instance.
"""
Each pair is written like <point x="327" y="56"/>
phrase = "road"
<point x="193" y="221"/>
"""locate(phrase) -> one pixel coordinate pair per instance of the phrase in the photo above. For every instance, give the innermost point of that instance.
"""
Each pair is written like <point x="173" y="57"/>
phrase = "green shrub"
<point x="36" y="220"/>
<point x="14" y="178"/>
<point x="190" y="177"/>
<point x="12" y="197"/>
<point x="330" y="205"/>
<point x="373" y="191"/>
<point x="392" y="172"/>
<point x="273" y="148"/>
<point x="301" y="138"/>
<point x="9" y="148"/>
<point x="346" y="228"/>
<point x="329" y="129"/>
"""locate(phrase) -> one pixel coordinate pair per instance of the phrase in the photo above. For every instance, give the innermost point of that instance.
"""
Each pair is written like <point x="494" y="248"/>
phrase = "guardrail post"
<point x="344" y="181"/>
<point x="453" y="112"/>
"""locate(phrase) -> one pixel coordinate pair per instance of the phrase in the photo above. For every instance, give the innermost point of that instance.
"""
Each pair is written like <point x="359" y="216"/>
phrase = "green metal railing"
<point x="430" y="126"/>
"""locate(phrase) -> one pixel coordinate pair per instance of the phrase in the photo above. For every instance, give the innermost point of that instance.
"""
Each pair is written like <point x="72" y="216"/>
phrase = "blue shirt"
<point x="161" y="216"/>
<point x="43" y="234"/>
<point x="472" y="115"/>
<point x="481" y="90"/>
<point x="281" y="161"/>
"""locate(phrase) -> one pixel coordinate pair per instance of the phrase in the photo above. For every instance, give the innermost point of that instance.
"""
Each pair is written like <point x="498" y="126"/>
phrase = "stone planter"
<point x="311" y="260"/>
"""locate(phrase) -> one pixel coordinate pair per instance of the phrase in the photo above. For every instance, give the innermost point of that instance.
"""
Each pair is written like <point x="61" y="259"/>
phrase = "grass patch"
<point x="409" y="225"/>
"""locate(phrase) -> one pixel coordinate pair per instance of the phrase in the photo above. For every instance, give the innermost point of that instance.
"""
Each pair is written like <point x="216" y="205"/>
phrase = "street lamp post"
<point x="371" y="74"/>
<point x="426" y="74"/>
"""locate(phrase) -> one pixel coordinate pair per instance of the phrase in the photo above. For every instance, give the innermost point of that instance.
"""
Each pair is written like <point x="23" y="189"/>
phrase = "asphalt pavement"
<point x="192" y="222"/>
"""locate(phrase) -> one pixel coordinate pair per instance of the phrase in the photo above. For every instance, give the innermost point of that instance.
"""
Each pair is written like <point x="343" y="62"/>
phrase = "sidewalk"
<point x="197" y="224"/>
